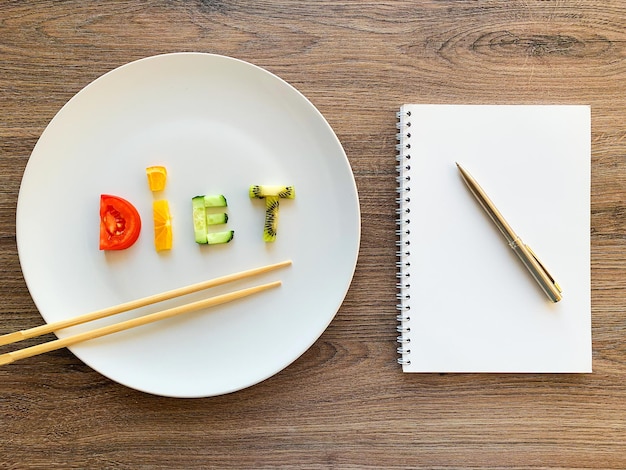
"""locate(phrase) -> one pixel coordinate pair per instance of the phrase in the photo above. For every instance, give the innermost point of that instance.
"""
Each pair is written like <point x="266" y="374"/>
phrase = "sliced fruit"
<point x="272" y="196"/>
<point x="162" y="225"/>
<point x="157" y="176"/>
<point x="271" y="218"/>
<point x="262" y="191"/>
<point x="199" y="219"/>
<point x="215" y="238"/>
<point x="120" y="223"/>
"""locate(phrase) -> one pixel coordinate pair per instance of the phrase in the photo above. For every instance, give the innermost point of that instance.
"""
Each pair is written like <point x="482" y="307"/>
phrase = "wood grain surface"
<point x="345" y="402"/>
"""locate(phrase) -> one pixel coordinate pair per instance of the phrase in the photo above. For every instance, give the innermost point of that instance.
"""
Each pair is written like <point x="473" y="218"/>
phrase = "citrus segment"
<point x="162" y="225"/>
<point x="157" y="176"/>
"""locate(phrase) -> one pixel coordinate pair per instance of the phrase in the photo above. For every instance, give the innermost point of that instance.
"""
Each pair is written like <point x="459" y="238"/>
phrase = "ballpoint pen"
<point x="523" y="251"/>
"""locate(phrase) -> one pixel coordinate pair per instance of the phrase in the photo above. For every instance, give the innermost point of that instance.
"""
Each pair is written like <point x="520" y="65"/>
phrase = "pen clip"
<point x="546" y="272"/>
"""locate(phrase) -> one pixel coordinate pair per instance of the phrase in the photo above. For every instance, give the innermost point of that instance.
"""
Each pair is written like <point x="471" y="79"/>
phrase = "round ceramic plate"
<point x="218" y="125"/>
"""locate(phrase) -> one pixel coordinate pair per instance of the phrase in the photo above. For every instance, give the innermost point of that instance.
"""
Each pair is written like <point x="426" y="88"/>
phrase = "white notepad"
<point x="466" y="303"/>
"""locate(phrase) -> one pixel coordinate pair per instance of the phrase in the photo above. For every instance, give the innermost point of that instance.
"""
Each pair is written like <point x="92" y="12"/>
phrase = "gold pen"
<point x="530" y="260"/>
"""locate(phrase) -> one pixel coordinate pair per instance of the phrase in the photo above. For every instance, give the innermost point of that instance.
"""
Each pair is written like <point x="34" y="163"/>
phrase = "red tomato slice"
<point x="120" y="223"/>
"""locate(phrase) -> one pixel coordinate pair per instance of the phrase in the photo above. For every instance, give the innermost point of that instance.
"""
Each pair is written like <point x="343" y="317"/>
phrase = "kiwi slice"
<point x="271" y="218"/>
<point x="272" y="196"/>
<point x="263" y="191"/>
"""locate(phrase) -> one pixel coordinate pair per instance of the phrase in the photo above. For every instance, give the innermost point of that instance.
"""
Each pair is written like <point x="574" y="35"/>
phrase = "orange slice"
<point x="162" y="225"/>
<point x="157" y="175"/>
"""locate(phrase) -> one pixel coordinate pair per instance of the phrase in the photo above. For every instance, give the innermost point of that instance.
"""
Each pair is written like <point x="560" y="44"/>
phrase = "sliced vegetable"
<point x="120" y="223"/>
<point x="199" y="219"/>
<point x="203" y="218"/>
<point x="214" y="238"/>
<point x="162" y="225"/>
<point x="272" y="196"/>
<point x="216" y="219"/>
<point x="215" y="200"/>
<point x="157" y="176"/>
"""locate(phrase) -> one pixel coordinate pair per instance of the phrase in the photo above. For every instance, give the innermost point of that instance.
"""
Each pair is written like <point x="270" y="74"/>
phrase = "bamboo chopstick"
<point x="10" y="357"/>
<point x="50" y="327"/>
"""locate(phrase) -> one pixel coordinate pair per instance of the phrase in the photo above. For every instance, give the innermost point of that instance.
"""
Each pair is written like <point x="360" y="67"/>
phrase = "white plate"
<point x="219" y="125"/>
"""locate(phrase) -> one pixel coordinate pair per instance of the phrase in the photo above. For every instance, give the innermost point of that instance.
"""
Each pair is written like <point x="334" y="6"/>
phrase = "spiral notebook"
<point x="465" y="301"/>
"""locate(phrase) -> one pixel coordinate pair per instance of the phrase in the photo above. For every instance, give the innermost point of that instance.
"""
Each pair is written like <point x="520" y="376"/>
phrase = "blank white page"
<point x="474" y="307"/>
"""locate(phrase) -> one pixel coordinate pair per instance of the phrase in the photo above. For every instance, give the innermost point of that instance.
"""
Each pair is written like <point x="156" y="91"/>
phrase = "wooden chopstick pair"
<point x="10" y="357"/>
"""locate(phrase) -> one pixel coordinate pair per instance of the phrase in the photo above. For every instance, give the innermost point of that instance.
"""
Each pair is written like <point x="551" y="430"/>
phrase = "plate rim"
<point x="31" y="167"/>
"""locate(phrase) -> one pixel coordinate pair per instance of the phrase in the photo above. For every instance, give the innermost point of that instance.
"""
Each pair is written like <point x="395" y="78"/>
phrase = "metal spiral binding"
<point x="403" y="222"/>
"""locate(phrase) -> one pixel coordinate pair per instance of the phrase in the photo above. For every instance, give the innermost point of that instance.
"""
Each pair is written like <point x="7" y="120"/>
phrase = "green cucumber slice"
<point x="215" y="200"/>
<point x="215" y="219"/>
<point x="215" y="238"/>
<point x="199" y="219"/>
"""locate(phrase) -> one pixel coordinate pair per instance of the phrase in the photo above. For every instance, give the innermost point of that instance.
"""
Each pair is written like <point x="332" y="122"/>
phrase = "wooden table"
<point x="344" y="403"/>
